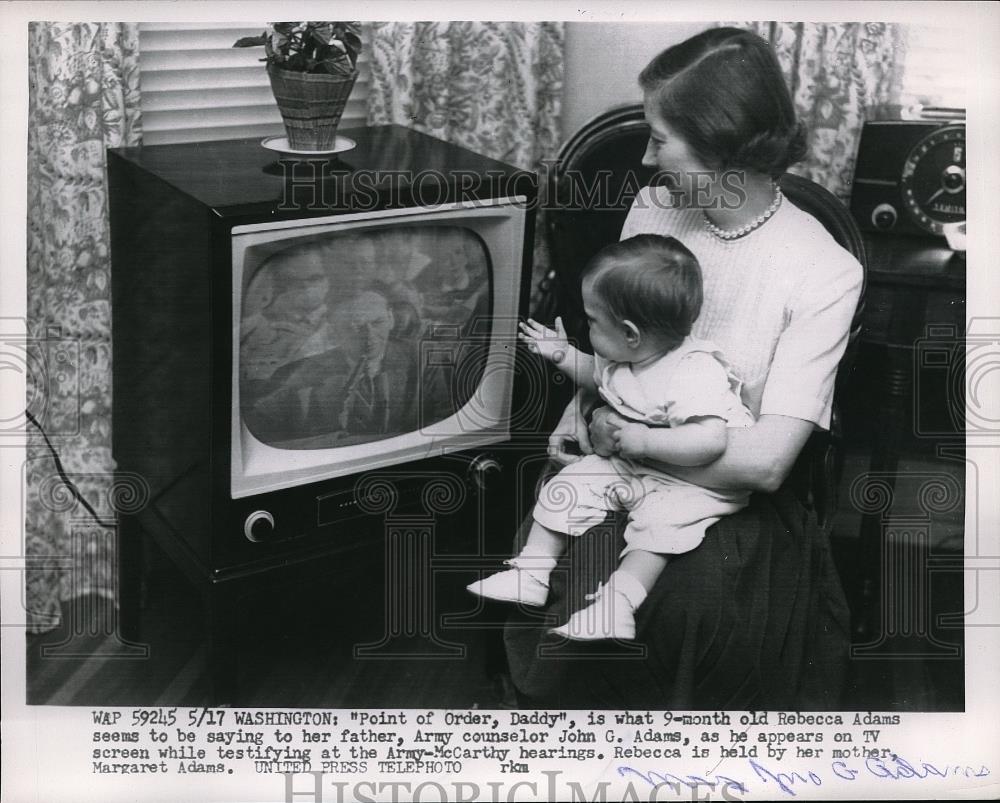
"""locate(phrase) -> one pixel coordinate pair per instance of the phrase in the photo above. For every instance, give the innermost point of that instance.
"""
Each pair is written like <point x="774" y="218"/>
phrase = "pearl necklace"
<point x="742" y="231"/>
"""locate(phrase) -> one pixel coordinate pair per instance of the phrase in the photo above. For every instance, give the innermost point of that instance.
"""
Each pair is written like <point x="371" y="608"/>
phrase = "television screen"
<point x="357" y="336"/>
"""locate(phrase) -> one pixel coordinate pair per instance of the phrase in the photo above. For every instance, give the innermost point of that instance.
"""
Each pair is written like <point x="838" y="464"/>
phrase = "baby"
<point x="641" y="297"/>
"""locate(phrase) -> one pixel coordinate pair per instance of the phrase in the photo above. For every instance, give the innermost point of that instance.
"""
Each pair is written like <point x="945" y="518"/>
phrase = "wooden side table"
<point x="915" y="309"/>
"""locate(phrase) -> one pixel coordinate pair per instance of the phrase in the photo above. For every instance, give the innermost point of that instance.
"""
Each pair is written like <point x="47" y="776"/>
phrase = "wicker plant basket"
<point x="311" y="105"/>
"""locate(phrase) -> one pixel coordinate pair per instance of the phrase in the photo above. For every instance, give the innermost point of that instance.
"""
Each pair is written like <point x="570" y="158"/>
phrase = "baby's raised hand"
<point x="552" y="344"/>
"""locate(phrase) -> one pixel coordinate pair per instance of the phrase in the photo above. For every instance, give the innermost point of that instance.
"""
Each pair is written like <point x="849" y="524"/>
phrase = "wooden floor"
<point x="295" y="653"/>
<point x="299" y="651"/>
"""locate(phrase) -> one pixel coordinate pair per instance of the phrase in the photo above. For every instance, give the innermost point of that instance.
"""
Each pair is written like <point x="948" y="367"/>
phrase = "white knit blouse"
<point x="778" y="302"/>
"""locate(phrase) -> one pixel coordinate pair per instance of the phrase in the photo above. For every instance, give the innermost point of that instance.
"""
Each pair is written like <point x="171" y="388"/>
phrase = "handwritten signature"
<point x="722" y="782"/>
<point x="896" y="768"/>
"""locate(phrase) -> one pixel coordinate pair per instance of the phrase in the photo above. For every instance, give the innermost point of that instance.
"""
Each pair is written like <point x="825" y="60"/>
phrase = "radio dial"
<point x="884" y="216"/>
<point x="259" y="526"/>
<point x="932" y="183"/>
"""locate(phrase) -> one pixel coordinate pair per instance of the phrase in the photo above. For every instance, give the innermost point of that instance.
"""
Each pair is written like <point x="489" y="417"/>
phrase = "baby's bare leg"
<point x="542" y="541"/>
<point x="646" y="567"/>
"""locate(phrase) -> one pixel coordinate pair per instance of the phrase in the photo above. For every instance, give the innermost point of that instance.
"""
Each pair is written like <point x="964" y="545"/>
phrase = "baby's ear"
<point x="632" y="334"/>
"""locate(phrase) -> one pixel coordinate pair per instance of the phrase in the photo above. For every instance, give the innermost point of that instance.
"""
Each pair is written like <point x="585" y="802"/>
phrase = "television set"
<point x="371" y="339"/>
<point x="285" y="328"/>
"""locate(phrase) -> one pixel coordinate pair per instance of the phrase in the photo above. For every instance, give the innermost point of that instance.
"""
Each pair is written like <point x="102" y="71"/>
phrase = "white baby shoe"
<point x="528" y="586"/>
<point x="611" y="616"/>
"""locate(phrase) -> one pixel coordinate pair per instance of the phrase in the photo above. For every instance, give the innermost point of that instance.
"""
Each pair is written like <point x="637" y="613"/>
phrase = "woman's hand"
<point x="571" y="429"/>
<point x="604" y="426"/>
<point x="552" y="344"/>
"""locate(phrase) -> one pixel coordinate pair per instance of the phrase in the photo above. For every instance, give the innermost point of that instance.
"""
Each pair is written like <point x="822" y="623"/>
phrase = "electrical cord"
<point x="62" y="473"/>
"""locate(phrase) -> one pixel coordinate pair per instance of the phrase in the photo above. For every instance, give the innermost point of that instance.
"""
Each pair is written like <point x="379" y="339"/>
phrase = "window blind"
<point x="934" y="72"/>
<point x="196" y="86"/>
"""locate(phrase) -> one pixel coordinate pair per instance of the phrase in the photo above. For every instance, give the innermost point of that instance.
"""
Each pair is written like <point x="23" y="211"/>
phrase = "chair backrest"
<point x="595" y="178"/>
<point x="597" y="173"/>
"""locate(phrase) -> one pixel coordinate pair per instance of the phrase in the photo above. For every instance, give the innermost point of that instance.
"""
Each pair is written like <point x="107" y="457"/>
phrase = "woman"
<point x="753" y="618"/>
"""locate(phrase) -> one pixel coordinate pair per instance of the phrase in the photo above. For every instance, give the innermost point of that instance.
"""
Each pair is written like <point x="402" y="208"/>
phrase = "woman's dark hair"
<point x="724" y="94"/>
<point x="651" y="280"/>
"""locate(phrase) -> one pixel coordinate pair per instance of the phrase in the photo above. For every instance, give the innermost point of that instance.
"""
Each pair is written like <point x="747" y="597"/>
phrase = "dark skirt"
<point x="753" y="619"/>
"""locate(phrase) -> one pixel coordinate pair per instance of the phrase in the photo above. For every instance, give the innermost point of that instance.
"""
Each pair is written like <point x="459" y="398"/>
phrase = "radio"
<point x="910" y="173"/>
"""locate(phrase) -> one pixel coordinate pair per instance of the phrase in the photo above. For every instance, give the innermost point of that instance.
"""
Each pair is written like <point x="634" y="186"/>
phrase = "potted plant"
<point x="312" y="67"/>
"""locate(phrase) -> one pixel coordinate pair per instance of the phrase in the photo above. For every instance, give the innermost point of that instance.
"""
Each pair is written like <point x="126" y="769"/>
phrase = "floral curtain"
<point x="837" y="72"/>
<point x="83" y="98"/>
<point x="492" y="87"/>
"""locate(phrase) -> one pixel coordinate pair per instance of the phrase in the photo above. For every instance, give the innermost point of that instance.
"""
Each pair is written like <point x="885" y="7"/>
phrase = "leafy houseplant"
<point x="312" y="67"/>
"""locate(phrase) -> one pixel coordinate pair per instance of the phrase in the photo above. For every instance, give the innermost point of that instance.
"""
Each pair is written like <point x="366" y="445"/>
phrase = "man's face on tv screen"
<point x="367" y="322"/>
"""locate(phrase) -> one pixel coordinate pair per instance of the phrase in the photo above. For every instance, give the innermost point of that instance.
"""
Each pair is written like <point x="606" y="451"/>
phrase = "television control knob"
<point x="259" y="526"/>
<point x="484" y="470"/>
<point x="884" y="216"/>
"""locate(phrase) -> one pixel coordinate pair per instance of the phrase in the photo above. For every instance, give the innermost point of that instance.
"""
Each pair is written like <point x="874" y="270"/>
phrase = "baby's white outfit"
<point x="666" y="515"/>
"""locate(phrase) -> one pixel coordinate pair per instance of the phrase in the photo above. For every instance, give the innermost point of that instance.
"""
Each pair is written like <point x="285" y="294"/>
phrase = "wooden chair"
<point x="603" y="162"/>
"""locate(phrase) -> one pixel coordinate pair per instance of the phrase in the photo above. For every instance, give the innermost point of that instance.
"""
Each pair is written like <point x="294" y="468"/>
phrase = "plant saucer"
<point x="280" y="144"/>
